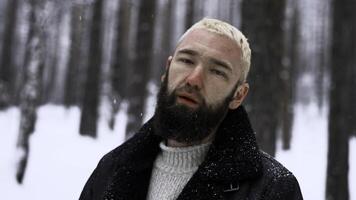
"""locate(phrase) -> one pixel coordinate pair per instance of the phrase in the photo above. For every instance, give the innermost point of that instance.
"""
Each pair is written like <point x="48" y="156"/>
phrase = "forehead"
<point x="210" y="44"/>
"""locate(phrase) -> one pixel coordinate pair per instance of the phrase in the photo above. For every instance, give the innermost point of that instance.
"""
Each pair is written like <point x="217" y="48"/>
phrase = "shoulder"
<point x="108" y="163"/>
<point x="134" y="154"/>
<point x="280" y="182"/>
<point x="97" y="181"/>
<point x="102" y="174"/>
<point x="110" y="159"/>
<point x="131" y="150"/>
<point x="140" y="148"/>
<point x="272" y="168"/>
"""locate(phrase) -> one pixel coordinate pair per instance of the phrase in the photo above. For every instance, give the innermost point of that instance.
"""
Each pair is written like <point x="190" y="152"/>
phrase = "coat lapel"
<point x="232" y="159"/>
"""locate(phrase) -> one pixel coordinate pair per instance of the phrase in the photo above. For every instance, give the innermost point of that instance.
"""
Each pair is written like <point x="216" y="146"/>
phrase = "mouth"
<point x="187" y="100"/>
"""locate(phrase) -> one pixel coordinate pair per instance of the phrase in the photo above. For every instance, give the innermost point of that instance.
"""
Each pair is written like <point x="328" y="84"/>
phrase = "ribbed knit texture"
<point x="172" y="170"/>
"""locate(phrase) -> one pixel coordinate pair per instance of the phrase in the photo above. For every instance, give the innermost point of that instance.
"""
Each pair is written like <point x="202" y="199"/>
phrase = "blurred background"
<point x="78" y="77"/>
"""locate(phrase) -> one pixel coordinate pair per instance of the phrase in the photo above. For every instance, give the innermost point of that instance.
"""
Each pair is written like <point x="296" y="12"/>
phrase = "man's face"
<point x="198" y="87"/>
<point x="207" y="62"/>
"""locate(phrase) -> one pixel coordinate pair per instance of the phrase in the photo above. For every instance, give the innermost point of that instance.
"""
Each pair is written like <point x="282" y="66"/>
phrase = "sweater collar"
<point x="181" y="159"/>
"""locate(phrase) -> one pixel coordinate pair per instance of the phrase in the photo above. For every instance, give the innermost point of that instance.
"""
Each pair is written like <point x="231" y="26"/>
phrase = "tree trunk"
<point x="189" y="18"/>
<point x="137" y="92"/>
<point x="52" y="50"/>
<point x="289" y="75"/>
<point x="322" y="41"/>
<point x="120" y="60"/>
<point x="164" y="41"/>
<point x="7" y="65"/>
<point x="352" y="112"/>
<point x="343" y="51"/>
<point x="30" y="96"/>
<point x="71" y="85"/>
<point x="89" y="115"/>
<point x="262" y="23"/>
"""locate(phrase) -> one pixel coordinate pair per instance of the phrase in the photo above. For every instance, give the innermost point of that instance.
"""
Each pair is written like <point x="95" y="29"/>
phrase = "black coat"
<point x="234" y="168"/>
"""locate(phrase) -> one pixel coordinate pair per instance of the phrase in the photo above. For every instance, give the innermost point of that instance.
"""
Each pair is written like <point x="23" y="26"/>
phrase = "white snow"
<point x="307" y="157"/>
<point x="61" y="160"/>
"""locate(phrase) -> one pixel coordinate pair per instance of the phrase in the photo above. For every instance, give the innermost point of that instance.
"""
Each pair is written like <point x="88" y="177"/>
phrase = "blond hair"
<point x="226" y="29"/>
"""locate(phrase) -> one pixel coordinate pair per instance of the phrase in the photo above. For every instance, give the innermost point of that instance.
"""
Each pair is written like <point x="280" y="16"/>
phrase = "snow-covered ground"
<point x="61" y="160"/>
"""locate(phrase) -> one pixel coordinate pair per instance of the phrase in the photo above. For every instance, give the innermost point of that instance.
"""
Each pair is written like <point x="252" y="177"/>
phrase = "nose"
<point x="195" y="78"/>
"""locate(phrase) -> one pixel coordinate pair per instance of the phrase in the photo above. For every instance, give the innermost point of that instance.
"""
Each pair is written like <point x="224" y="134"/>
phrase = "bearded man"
<point x="199" y="144"/>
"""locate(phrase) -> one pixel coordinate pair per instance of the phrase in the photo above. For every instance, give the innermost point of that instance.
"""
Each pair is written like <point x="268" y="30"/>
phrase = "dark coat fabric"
<point x="234" y="168"/>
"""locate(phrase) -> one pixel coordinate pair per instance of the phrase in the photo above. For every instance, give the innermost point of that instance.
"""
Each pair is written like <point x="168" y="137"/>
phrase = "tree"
<point x="322" y="44"/>
<point x="32" y="86"/>
<point x="341" y="116"/>
<point x="189" y="19"/>
<point x="120" y="59"/>
<point x="52" y="49"/>
<point x="7" y="65"/>
<point x="136" y="89"/>
<point x="289" y="74"/>
<point x="262" y="24"/>
<point x="89" y="115"/>
<point x="71" y="96"/>
<point x="163" y="40"/>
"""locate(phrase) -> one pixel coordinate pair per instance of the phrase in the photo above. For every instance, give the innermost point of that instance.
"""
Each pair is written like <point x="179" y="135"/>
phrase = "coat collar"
<point x="232" y="158"/>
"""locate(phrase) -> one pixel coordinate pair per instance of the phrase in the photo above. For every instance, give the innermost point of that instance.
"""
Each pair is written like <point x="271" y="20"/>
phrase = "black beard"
<point x="183" y="124"/>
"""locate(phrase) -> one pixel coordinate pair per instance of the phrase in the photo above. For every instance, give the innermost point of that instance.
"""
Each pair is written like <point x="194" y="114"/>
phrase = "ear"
<point x="168" y="63"/>
<point x="239" y="96"/>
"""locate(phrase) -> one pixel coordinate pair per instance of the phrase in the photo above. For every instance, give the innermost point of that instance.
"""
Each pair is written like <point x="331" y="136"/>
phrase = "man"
<point x="199" y="144"/>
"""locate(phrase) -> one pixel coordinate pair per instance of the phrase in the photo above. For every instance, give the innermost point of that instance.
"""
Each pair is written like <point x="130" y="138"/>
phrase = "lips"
<point x="187" y="99"/>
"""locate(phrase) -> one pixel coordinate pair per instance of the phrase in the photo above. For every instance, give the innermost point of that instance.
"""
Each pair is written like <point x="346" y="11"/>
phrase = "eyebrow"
<point x="213" y="60"/>
<point x="188" y="51"/>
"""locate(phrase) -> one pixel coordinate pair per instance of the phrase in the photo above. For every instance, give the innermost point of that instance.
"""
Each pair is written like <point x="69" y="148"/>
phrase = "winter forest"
<point x="78" y="77"/>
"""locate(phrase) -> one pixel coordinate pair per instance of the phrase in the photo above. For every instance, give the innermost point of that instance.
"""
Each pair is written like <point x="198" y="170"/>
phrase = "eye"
<point x="219" y="73"/>
<point x="186" y="61"/>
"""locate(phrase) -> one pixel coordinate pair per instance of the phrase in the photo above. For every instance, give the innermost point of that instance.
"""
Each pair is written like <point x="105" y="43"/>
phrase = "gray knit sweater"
<point x="172" y="170"/>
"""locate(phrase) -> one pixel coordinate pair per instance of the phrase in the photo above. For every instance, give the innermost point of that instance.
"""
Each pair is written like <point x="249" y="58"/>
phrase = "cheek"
<point x="216" y="93"/>
<point x="176" y="77"/>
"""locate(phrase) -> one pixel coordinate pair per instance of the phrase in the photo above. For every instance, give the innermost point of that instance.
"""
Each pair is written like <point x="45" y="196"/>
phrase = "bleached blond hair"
<point x="226" y="29"/>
